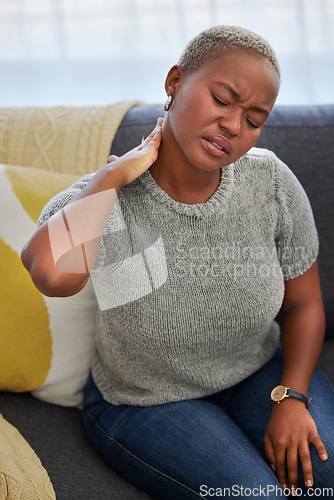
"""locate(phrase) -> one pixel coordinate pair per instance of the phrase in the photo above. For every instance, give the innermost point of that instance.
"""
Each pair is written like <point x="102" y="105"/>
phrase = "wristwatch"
<point x="281" y="392"/>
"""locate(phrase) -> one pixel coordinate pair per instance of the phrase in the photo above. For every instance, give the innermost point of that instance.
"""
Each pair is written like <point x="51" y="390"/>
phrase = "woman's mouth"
<point x="217" y="145"/>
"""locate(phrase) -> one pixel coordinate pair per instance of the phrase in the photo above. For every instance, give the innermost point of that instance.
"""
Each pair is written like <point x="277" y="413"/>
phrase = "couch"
<point x="303" y="137"/>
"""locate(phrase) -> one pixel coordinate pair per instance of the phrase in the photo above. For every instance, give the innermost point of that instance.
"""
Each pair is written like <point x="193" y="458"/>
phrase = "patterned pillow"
<point x="46" y="343"/>
<point x="22" y="475"/>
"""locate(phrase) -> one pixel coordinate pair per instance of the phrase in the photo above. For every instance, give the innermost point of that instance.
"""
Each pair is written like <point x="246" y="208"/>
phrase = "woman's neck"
<point x="180" y="180"/>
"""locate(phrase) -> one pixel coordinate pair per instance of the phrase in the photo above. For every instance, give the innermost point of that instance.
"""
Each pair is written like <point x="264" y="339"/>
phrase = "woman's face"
<point x="219" y="109"/>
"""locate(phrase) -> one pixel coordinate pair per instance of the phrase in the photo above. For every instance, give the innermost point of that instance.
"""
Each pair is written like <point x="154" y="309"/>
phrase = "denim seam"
<point x="148" y="468"/>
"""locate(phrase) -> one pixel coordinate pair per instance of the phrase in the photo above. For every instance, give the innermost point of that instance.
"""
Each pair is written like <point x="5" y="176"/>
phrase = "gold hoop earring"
<point x="168" y="103"/>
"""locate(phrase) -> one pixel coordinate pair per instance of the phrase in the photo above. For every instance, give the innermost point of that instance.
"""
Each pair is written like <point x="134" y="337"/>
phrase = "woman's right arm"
<point x="62" y="251"/>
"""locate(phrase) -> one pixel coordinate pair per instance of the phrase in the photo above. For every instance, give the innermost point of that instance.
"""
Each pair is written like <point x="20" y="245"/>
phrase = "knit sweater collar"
<point x="215" y="203"/>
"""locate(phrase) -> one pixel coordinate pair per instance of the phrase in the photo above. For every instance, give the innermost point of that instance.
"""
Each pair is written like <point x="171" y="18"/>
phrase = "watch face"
<point x="278" y="393"/>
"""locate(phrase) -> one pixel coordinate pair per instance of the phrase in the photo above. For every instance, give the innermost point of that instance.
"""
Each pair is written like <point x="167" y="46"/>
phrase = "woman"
<point x="206" y="242"/>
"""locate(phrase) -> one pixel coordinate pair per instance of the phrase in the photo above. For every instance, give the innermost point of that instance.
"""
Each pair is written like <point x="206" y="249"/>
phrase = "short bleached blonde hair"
<point x="213" y="40"/>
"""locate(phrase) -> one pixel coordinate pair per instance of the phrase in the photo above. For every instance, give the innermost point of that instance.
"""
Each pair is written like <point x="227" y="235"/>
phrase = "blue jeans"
<point x="198" y="448"/>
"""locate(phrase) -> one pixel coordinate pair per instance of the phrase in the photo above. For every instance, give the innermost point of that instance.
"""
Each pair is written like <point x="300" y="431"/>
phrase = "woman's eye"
<point x="218" y="101"/>
<point x="252" y="124"/>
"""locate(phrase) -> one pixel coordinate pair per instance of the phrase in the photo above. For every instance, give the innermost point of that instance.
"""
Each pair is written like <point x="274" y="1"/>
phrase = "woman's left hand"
<point x="288" y="436"/>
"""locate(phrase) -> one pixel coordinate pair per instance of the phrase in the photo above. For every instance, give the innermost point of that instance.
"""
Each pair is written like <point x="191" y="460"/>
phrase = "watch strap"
<point x="299" y="395"/>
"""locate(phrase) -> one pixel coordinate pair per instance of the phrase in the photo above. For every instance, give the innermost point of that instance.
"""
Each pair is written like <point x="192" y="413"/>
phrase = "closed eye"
<point x="218" y="101"/>
<point x="252" y="124"/>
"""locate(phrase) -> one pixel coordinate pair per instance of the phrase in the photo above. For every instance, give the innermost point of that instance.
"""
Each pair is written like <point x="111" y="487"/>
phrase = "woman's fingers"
<point x="290" y="432"/>
<point x="285" y="458"/>
<point x="305" y="456"/>
<point x="305" y="459"/>
<point x="292" y="466"/>
<point x="153" y="136"/>
<point x="319" y="446"/>
<point x="133" y="163"/>
<point x="269" y="450"/>
<point x="294" y="453"/>
<point x="281" y="465"/>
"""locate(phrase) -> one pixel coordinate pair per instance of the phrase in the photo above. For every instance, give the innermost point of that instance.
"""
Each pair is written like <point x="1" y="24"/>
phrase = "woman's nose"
<point x="231" y="121"/>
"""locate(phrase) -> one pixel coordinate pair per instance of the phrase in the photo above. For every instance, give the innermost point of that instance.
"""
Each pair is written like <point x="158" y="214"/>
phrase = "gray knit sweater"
<point x="188" y="293"/>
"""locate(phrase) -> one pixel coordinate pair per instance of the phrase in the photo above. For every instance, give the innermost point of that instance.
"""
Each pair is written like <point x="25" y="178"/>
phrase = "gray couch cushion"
<point x="58" y="437"/>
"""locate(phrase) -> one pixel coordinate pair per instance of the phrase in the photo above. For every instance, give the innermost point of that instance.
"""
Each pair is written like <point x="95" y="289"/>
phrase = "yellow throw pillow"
<point x="46" y="343"/>
<point x="22" y="476"/>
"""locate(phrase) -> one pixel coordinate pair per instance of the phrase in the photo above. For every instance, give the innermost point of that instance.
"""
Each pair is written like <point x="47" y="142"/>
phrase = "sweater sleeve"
<point x="296" y="234"/>
<point x="62" y="199"/>
<point x="114" y="237"/>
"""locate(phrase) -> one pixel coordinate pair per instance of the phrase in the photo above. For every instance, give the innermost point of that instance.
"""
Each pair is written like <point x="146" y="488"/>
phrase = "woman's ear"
<point x="173" y="79"/>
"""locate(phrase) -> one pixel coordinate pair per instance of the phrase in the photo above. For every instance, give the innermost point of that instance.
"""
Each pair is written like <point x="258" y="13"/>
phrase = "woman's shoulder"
<point x="261" y="171"/>
<point x="261" y="156"/>
<point x="257" y="166"/>
<point x="260" y="161"/>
